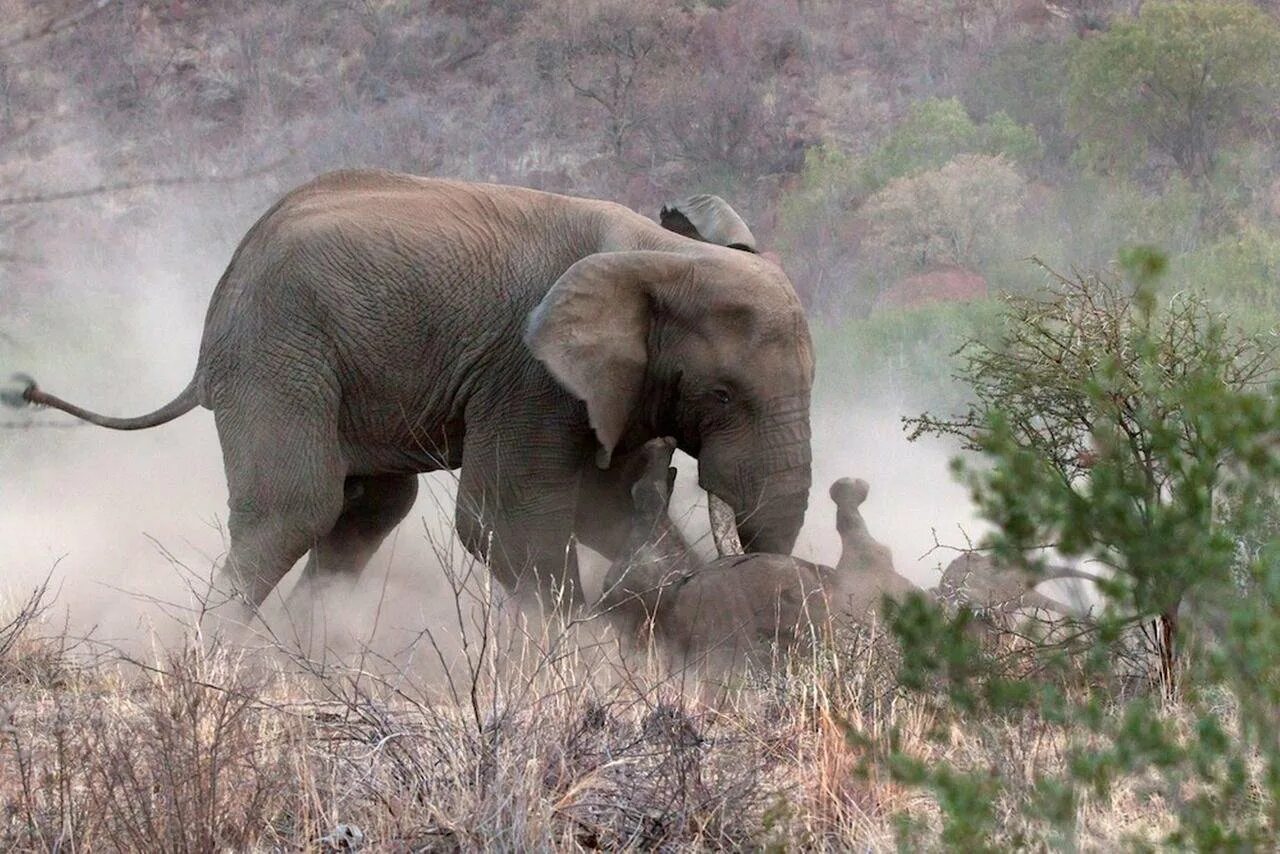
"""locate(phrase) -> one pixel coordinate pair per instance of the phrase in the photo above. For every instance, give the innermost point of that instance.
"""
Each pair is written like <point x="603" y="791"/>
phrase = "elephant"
<point x="739" y="605"/>
<point x="372" y="326"/>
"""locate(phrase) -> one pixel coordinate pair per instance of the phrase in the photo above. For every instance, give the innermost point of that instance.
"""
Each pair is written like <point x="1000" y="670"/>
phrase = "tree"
<point x="1177" y="81"/>
<point x="1143" y="438"/>
<point x="1092" y="401"/>
<point x="935" y="131"/>
<point x="815" y="222"/>
<point x="1027" y="80"/>
<point x="953" y="215"/>
<point x="610" y="55"/>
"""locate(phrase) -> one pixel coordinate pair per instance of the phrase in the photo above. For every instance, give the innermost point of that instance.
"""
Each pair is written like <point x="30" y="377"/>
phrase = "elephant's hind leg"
<point x="286" y="491"/>
<point x="373" y="506"/>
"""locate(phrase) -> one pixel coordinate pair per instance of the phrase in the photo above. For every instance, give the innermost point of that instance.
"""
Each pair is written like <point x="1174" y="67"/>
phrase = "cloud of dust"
<point x="116" y="328"/>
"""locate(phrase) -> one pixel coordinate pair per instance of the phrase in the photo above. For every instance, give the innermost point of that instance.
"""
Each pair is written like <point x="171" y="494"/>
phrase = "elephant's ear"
<point x="591" y="331"/>
<point x="709" y="219"/>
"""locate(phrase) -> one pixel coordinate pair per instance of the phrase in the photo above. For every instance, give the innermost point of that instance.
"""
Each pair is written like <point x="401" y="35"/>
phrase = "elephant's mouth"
<point x="724" y="526"/>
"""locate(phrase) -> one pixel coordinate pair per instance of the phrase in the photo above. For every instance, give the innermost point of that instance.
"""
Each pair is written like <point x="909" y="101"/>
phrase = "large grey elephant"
<point x="372" y="326"/>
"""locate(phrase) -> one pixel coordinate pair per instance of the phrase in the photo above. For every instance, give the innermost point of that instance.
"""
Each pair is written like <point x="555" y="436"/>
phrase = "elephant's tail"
<point x="31" y="394"/>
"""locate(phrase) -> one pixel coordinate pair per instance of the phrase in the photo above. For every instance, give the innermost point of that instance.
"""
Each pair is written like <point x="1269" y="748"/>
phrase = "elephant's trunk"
<point x="771" y="523"/>
<point x="764" y="476"/>
<point x="773" y="529"/>
<point x="775" y="480"/>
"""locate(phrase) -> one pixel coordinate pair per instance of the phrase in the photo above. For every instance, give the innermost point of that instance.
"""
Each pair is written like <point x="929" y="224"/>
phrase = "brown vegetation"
<point x="538" y="739"/>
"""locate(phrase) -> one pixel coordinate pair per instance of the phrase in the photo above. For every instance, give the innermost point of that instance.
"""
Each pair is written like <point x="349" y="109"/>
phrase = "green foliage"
<point x="1002" y="136"/>
<point x="814" y="224"/>
<point x="1100" y="215"/>
<point x="940" y="188"/>
<point x="1138" y="436"/>
<point x="1239" y="271"/>
<point x="1026" y="80"/>
<point x="823" y="195"/>
<point x="935" y="131"/>
<point x="1177" y="81"/>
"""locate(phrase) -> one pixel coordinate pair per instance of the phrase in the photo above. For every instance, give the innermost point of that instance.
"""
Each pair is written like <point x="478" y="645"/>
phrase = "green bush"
<point x="1240" y="272"/>
<point x="1137" y="434"/>
<point x="934" y="132"/>
<point x="955" y="215"/>
<point x="1026" y="79"/>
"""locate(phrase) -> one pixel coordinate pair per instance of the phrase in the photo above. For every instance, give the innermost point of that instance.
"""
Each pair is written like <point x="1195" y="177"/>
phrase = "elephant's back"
<point x="374" y="264"/>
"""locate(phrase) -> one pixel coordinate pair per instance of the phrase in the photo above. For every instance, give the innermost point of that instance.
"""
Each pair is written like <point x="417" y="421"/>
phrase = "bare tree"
<point x="610" y="64"/>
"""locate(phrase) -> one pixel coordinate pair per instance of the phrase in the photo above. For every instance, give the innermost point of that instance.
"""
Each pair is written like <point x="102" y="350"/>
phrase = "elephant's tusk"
<point x="724" y="526"/>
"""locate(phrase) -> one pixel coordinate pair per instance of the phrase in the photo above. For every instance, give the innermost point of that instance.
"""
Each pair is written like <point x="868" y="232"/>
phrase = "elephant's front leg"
<point x="516" y="510"/>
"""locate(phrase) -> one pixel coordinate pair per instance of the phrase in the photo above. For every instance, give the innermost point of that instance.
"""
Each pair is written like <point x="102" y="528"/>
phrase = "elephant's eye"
<point x="721" y="395"/>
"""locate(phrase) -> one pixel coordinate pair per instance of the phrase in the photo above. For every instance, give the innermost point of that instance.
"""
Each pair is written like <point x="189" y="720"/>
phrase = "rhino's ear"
<point x="709" y="219"/>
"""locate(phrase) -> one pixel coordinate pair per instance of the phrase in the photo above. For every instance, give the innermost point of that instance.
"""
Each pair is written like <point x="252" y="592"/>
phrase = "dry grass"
<point x="533" y="738"/>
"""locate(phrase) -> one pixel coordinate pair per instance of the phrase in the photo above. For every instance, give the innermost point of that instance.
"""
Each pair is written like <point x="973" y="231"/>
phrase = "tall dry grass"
<point x="504" y="732"/>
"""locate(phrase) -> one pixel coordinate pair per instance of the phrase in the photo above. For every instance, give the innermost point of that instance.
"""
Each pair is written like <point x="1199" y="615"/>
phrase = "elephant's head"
<point x="705" y="344"/>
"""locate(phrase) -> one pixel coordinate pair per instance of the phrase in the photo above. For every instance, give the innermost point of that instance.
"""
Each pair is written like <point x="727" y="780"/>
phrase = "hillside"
<point x="801" y="113"/>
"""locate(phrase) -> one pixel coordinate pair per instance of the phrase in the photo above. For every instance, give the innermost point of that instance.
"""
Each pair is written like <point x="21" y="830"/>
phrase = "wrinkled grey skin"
<point x="372" y="326"/>
<point x="738" y="606"/>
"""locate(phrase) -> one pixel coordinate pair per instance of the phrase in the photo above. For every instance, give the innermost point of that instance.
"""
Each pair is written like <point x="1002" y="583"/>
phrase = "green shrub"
<point x="1240" y="272"/>
<point x="934" y="132"/>
<point x="955" y="215"/>
<point x="1137" y="434"/>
